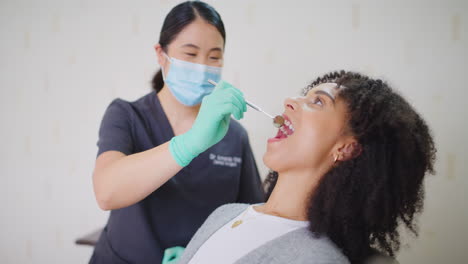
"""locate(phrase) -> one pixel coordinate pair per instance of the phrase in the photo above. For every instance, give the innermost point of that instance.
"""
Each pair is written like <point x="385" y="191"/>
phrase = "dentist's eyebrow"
<point x="190" y="45"/>
<point x="217" y="49"/>
<point x="326" y="94"/>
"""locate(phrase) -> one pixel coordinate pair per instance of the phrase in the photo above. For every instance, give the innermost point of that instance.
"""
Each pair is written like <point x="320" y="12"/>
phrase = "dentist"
<point x="168" y="159"/>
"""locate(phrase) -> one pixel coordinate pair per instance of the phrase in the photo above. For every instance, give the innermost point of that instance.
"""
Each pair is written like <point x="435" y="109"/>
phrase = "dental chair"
<point x="89" y="239"/>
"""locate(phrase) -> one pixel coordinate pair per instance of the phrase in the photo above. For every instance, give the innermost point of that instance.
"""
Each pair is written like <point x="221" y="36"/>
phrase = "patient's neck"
<point x="290" y="197"/>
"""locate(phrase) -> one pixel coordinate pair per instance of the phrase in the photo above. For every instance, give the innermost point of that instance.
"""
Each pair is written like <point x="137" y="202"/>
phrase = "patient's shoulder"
<point x="301" y="246"/>
<point x="215" y="221"/>
<point x="320" y="248"/>
<point x="227" y="211"/>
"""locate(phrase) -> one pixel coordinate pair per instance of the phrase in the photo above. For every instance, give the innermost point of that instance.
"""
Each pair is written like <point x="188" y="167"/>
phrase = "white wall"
<point x="62" y="62"/>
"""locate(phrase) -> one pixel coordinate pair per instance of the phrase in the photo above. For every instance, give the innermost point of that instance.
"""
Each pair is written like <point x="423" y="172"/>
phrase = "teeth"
<point x="287" y="128"/>
<point x="289" y="125"/>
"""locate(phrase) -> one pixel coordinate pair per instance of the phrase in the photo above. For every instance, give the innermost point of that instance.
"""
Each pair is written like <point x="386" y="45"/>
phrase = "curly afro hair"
<point x="360" y="202"/>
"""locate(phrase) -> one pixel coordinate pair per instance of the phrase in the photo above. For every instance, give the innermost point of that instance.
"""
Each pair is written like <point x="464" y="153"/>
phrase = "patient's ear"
<point x="350" y="150"/>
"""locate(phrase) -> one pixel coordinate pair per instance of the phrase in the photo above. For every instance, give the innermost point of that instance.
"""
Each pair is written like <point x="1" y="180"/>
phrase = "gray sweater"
<point x="298" y="246"/>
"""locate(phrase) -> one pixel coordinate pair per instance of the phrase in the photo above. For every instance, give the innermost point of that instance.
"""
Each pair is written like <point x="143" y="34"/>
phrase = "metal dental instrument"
<point x="278" y="120"/>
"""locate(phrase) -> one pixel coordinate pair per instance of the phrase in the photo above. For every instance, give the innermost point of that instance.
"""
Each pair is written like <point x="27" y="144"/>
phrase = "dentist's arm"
<point x="121" y="180"/>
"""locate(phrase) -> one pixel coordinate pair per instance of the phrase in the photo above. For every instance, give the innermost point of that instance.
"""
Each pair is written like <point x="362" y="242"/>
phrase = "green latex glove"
<point x="172" y="255"/>
<point x="211" y="124"/>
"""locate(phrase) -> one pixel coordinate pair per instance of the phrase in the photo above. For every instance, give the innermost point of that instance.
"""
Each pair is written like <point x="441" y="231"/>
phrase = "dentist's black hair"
<point x="178" y="18"/>
<point x="360" y="202"/>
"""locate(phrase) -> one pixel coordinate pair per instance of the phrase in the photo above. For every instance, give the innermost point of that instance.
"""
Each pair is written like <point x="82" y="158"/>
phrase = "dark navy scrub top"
<point x="171" y="215"/>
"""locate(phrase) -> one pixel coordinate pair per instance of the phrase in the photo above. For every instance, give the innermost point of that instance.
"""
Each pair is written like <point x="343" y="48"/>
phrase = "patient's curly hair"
<point x="360" y="202"/>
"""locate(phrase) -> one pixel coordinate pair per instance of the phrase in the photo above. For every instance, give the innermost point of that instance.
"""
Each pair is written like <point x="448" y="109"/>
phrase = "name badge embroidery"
<point x="226" y="161"/>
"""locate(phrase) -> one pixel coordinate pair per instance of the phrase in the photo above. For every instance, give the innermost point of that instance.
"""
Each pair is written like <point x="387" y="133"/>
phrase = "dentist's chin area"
<point x="234" y="132"/>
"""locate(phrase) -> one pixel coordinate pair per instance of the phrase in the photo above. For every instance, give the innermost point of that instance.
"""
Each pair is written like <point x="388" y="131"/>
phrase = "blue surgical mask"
<point x="188" y="81"/>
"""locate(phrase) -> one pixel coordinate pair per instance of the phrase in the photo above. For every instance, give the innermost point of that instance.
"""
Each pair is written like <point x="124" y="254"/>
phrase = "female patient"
<point x="348" y="168"/>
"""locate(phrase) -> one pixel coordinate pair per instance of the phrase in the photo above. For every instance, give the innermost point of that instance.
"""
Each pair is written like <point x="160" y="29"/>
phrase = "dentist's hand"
<point x="211" y="124"/>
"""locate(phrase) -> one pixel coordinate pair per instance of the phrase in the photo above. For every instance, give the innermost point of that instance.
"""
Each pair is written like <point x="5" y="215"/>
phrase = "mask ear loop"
<point x="162" y="68"/>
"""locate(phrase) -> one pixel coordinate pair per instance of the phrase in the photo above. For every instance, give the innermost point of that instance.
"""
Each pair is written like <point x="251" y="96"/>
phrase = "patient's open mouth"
<point x="286" y="130"/>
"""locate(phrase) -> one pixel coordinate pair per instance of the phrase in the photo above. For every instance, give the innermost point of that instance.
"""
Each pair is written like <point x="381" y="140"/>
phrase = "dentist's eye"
<point x="191" y="54"/>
